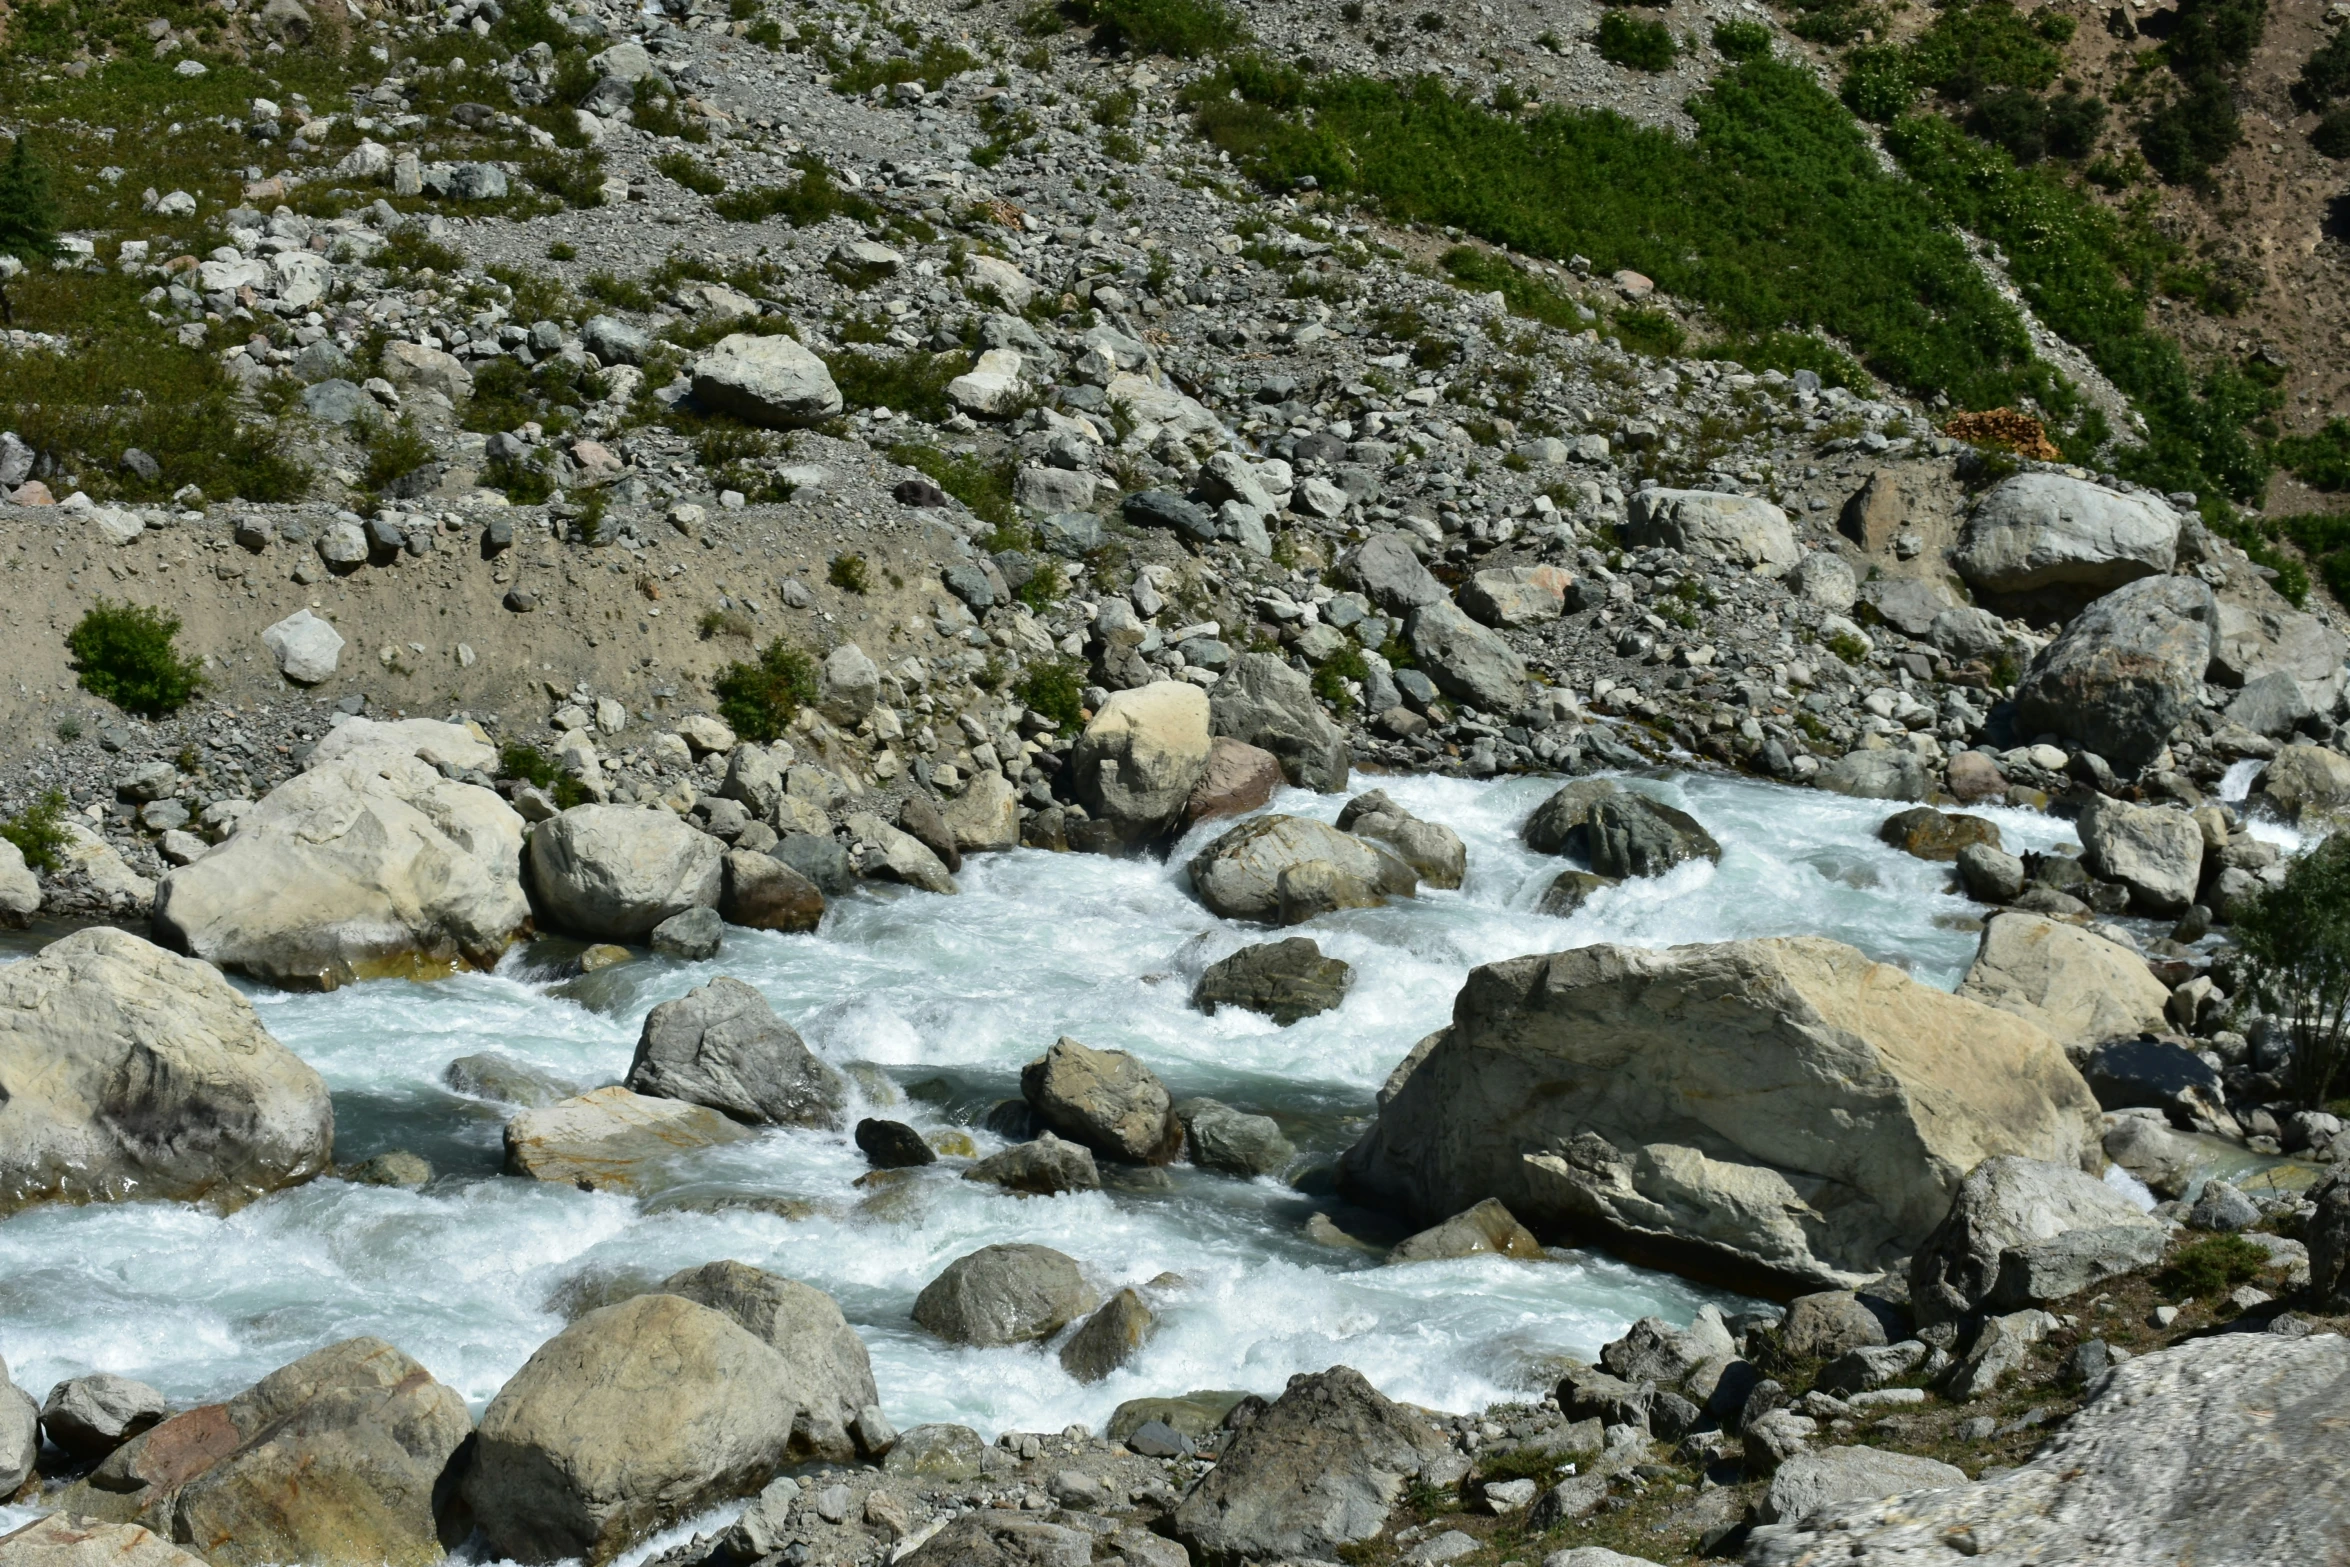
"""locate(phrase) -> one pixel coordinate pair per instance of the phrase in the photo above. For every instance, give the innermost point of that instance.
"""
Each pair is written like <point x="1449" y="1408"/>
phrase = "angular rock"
<point x="988" y="1538"/>
<point x="760" y="892"/>
<point x="1390" y="574"/>
<point x="126" y="1071"/>
<point x="1517" y="596"/>
<point x="985" y="817"/>
<point x="306" y="648"/>
<point x="2158" y="1074"/>
<point x="1825" y="1476"/>
<point x="64" y="1540"/>
<point x="1105" y="1099"/>
<point x="613" y="872"/>
<point x="1318" y="1469"/>
<point x="2004" y="1209"/>
<point x="1487" y="1229"/>
<point x="1632" y="835"/>
<point x="20" y="1435"/>
<point x="941" y="1452"/>
<point x="1286" y="980"/>
<point x="1990" y="875"/>
<point x="2155" y="851"/>
<point x="1556" y="827"/>
<point x="1682" y="1101"/>
<point x="1141" y="756"/>
<point x="2080" y="987"/>
<point x="2307" y="781"/>
<point x="1004" y="1295"/>
<point x="1467" y="662"/>
<point x="609" y="1139"/>
<point x="722" y="1046"/>
<point x="90" y="1416"/>
<point x="2126" y="672"/>
<point x="1936" y="835"/>
<point x="369" y="866"/>
<point x="1043" y="1168"/>
<point x="1239" y="874"/>
<point x="1262" y="701"/>
<point x="1739" y="529"/>
<point x="692" y="937"/>
<point x="1109" y="1339"/>
<point x="635" y="1417"/>
<point x="20" y="889"/>
<point x="771" y="381"/>
<point x="1239" y="779"/>
<point x="1876" y="775"/>
<point x="1827" y="1324"/>
<point x="1434" y="852"/>
<point x="490" y="1075"/>
<point x="2044" y="530"/>
<point x="1569" y="891"/>
<point x="899" y="856"/>
<point x="1218" y="1137"/>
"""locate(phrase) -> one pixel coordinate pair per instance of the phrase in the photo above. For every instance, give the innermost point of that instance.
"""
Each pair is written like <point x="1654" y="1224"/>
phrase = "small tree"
<point x="2298" y="938"/>
<point x="28" y="217"/>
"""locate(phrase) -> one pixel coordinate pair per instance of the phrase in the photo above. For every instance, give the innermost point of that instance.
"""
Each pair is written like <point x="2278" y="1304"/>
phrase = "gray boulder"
<point x="1740" y="529"/>
<point x="1467" y="661"/>
<point x="940" y="1452"/>
<point x="2044" y="530"/>
<point x="986" y="1537"/>
<point x="1262" y="701"/>
<point x="490" y="1075"/>
<point x="1109" y="1338"/>
<point x="1633" y="835"/>
<point x="760" y="892"/>
<point x="1218" y="1137"/>
<point x="1433" y="851"/>
<point x="692" y="937"/>
<point x="2328" y="1232"/>
<point x="1488" y="1229"/>
<point x="1286" y="980"/>
<point x="2155" y="1467"/>
<point x="1004" y="1295"/>
<point x="722" y="1046"/>
<point x="1829" y="1323"/>
<point x="1786" y="1106"/>
<point x="610" y="1139"/>
<point x="2260" y="638"/>
<point x="2307" y="782"/>
<point x="831" y="1374"/>
<point x="1043" y="1168"/>
<point x="90" y="1416"/>
<point x="127" y="1071"/>
<point x="1824" y="1476"/>
<point x="770" y="381"/>
<point x="1990" y="874"/>
<point x="613" y="872"/>
<point x="2155" y="851"/>
<point x="635" y="1417"/>
<point x="2022" y="1231"/>
<point x="1390" y="574"/>
<point x="1239" y="875"/>
<point x="20" y="1435"/>
<point x="1318" y="1469"/>
<point x="1556" y="827"/>
<point x="2127" y="671"/>
<point x="1105" y="1099"/>
<point x="1886" y="774"/>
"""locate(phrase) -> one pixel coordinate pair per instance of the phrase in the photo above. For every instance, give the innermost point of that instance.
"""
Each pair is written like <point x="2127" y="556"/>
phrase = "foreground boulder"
<point x="2021" y="1233"/>
<point x="2158" y="1466"/>
<point x="634" y="1417"/>
<point x="1241" y="875"/>
<point x="1785" y="1108"/>
<point x="2126" y="672"/>
<point x="2078" y="986"/>
<point x="613" y="872"/>
<point x="341" y="1459"/>
<point x="722" y="1046"/>
<point x="20" y="1434"/>
<point x="831" y="1373"/>
<point x="371" y="866"/>
<point x="1105" y="1099"/>
<point x="1004" y="1295"/>
<point x="610" y="1139"/>
<point x="64" y="1540"/>
<point x="1263" y="702"/>
<point x="2307" y="781"/>
<point x="1141" y="756"/>
<point x="2039" y="531"/>
<point x="1287" y="980"/>
<point x="1811" y="1481"/>
<point x="1318" y="1469"/>
<point x="126" y="1071"/>
<point x="1433" y="851"/>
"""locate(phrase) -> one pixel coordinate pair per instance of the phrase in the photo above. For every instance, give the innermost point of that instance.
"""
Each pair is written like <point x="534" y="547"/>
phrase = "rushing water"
<point x="948" y="997"/>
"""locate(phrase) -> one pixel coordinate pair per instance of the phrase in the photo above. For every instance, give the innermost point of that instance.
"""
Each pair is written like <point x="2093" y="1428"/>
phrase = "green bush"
<point x="1183" y="29"/>
<point x="576" y="180"/>
<point x="691" y="172"/>
<point x="759" y="699"/>
<point x="1332" y="674"/>
<point x="393" y="452"/>
<point x="2192" y="133"/>
<point x="2331" y="137"/>
<point x="2211" y="1267"/>
<point x="849" y="573"/>
<point x="2321" y="461"/>
<point x="1055" y="688"/>
<point x="37" y="832"/>
<point x="528" y="764"/>
<point x="1742" y="40"/>
<point x="914" y="382"/>
<point x="2297" y="937"/>
<point x="126" y="655"/>
<point x="1643" y="45"/>
<point x="1877" y="83"/>
<point x="816" y="197"/>
<point x="1047" y="585"/>
<point x="984" y="487"/>
<point x="937" y="63"/>
<point x="2325" y="75"/>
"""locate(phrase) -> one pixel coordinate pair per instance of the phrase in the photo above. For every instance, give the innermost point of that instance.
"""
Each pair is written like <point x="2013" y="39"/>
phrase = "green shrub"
<point x="914" y="382"/>
<point x="1788" y="352"/>
<point x="393" y="452"/>
<point x="1742" y="40"/>
<point x="936" y="64"/>
<point x="816" y="197"/>
<point x="28" y="215"/>
<point x="2331" y="136"/>
<point x="849" y="573"/>
<point x="2193" y="132"/>
<point x="689" y="171"/>
<point x="725" y="623"/>
<point x="2321" y="461"/>
<point x="576" y="180"/>
<point x="2211" y="1267"/>
<point x="656" y="113"/>
<point x="758" y="700"/>
<point x="1835" y="22"/>
<point x="1183" y="29"/>
<point x="2325" y="75"/>
<point x="1877" y="83"/>
<point x="126" y="655"/>
<point x="410" y="250"/>
<point x="1848" y="647"/>
<point x="1631" y="41"/>
<point x="1332" y="674"/>
<point x="37" y="832"/>
<point x="1047" y="584"/>
<point x="984" y="487"/>
<point x="2297" y="937"/>
<point x="526" y="763"/>
<point x="1055" y="688"/>
<point x="1648" y="331"/>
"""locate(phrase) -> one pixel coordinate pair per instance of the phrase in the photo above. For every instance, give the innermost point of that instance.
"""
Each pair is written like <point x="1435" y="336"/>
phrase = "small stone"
<point x="892" y="1145"/>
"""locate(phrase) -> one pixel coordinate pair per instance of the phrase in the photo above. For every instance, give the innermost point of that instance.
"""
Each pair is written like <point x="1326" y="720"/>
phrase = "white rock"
<point x="306" y="648"/>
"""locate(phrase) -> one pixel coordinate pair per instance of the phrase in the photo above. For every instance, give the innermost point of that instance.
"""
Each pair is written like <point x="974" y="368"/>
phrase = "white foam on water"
<point x="963" y="989"/>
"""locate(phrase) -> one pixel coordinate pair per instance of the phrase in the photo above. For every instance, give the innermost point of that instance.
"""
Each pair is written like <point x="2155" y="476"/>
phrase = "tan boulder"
<point x="67" y="1540"/>
<point x="2078" y="986"/>
<point x="985" y="817"/>
<point x="1239" y="778"/>
<point x="1785" y="1108"/>
<point x="1143" y="754"/>
<point x="1240" y="875"/>
<point x="610" y="1139"/>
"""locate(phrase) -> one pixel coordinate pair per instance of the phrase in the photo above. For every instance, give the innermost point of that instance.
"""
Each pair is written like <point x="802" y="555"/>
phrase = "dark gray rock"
<point x="2127" y="671"/>
<point x="1633" y="835"/>
<point x="1218" y="1137"/>
<point x="1166" y="509"/>
<point x="1286" y="980"/>
<point x="1262" y="701"/>
<point x="2157" y="1074"/>
<point x="892" y="1145"/>
<point x="691" y="937"/>
<point x="90" y="1416"/>
<point x="722" y="1046"/>
<point x="1042" y="1168"/>
<point x="822" y="860"/>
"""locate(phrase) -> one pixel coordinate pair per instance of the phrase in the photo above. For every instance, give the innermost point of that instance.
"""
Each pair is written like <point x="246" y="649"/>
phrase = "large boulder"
<point x="1004" y="1295"/>
<point x="1046" y="1167"/>
<point x="1105" y="1099"/>
<point x="370" y="866"/>
<point x="1286" y="980"/>
<point x="344" y="1458"/>
<point x="1741" y="529"/>
<point x="445" y="747"/>
<point x="2021" y="1232"/>
<point x="1433" y="851"/>
<point x="831" y="1373"/>
<point x="65" y="1540"/>
<point x="2221" y="1449"/>
<point x="1879" y="774"/>
<point x="1263" y="702"/>
<point x="1318" y="1469"/>
<point x="2307" y="781"/>
<point x="610" y="1139"/>
<point x="985" y="817"/>
<point x="1239" y="875"/>
<point x="1141" y="756"/>
<point x="613" y="872"/>
<point x="1556" y="827"/>
<point x="88" y="1417"/>
<point x="1388" y="571"/>
<point x="20" y="889"/>
<point x="1517" y="596"/>
<point x="1239" y="778"/>
<point x="1218" y="1137"/>
<point x="1785" y="1108"/>
<point x="2080" y="987"/>
<point x="2044" y="530"/>
<point x="721" y="1045"/>
<point x="2126" y="672"/>
<point x="1633" y="835"/>
<point x="770" y="381"/>
<point x="1822" y="1477"/>
<point x="1467" y="661"/>
<point x="987" y="1537"/>
<point x="2259" y="638"/>
<point x="2156" y="851"/>
<point x="635" y="1417"/>
<point x="128" y="1071"/>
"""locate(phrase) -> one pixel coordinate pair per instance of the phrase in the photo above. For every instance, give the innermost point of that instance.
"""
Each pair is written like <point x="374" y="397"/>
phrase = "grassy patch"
<point x="934" y="66"/>
<point x="984" y="487"/>
<point x="1055" y="688"/>
<point x="2321" y="461"/>
<point x="1183" y="29"/>
<point x="526" y="763"/>
<point x="914" y="382"/>
<point x="759" y="699"/>
<point x="1332" y="674"/>
<point x="393" y="452"/>
<point x="2211" y="1267"/>
<point x="1644" y="45"/>
<point x="816" y="197"/>
<point x="849" y="573"/>
<point x="127" y="655"/>
<point x="38" y="833"/>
